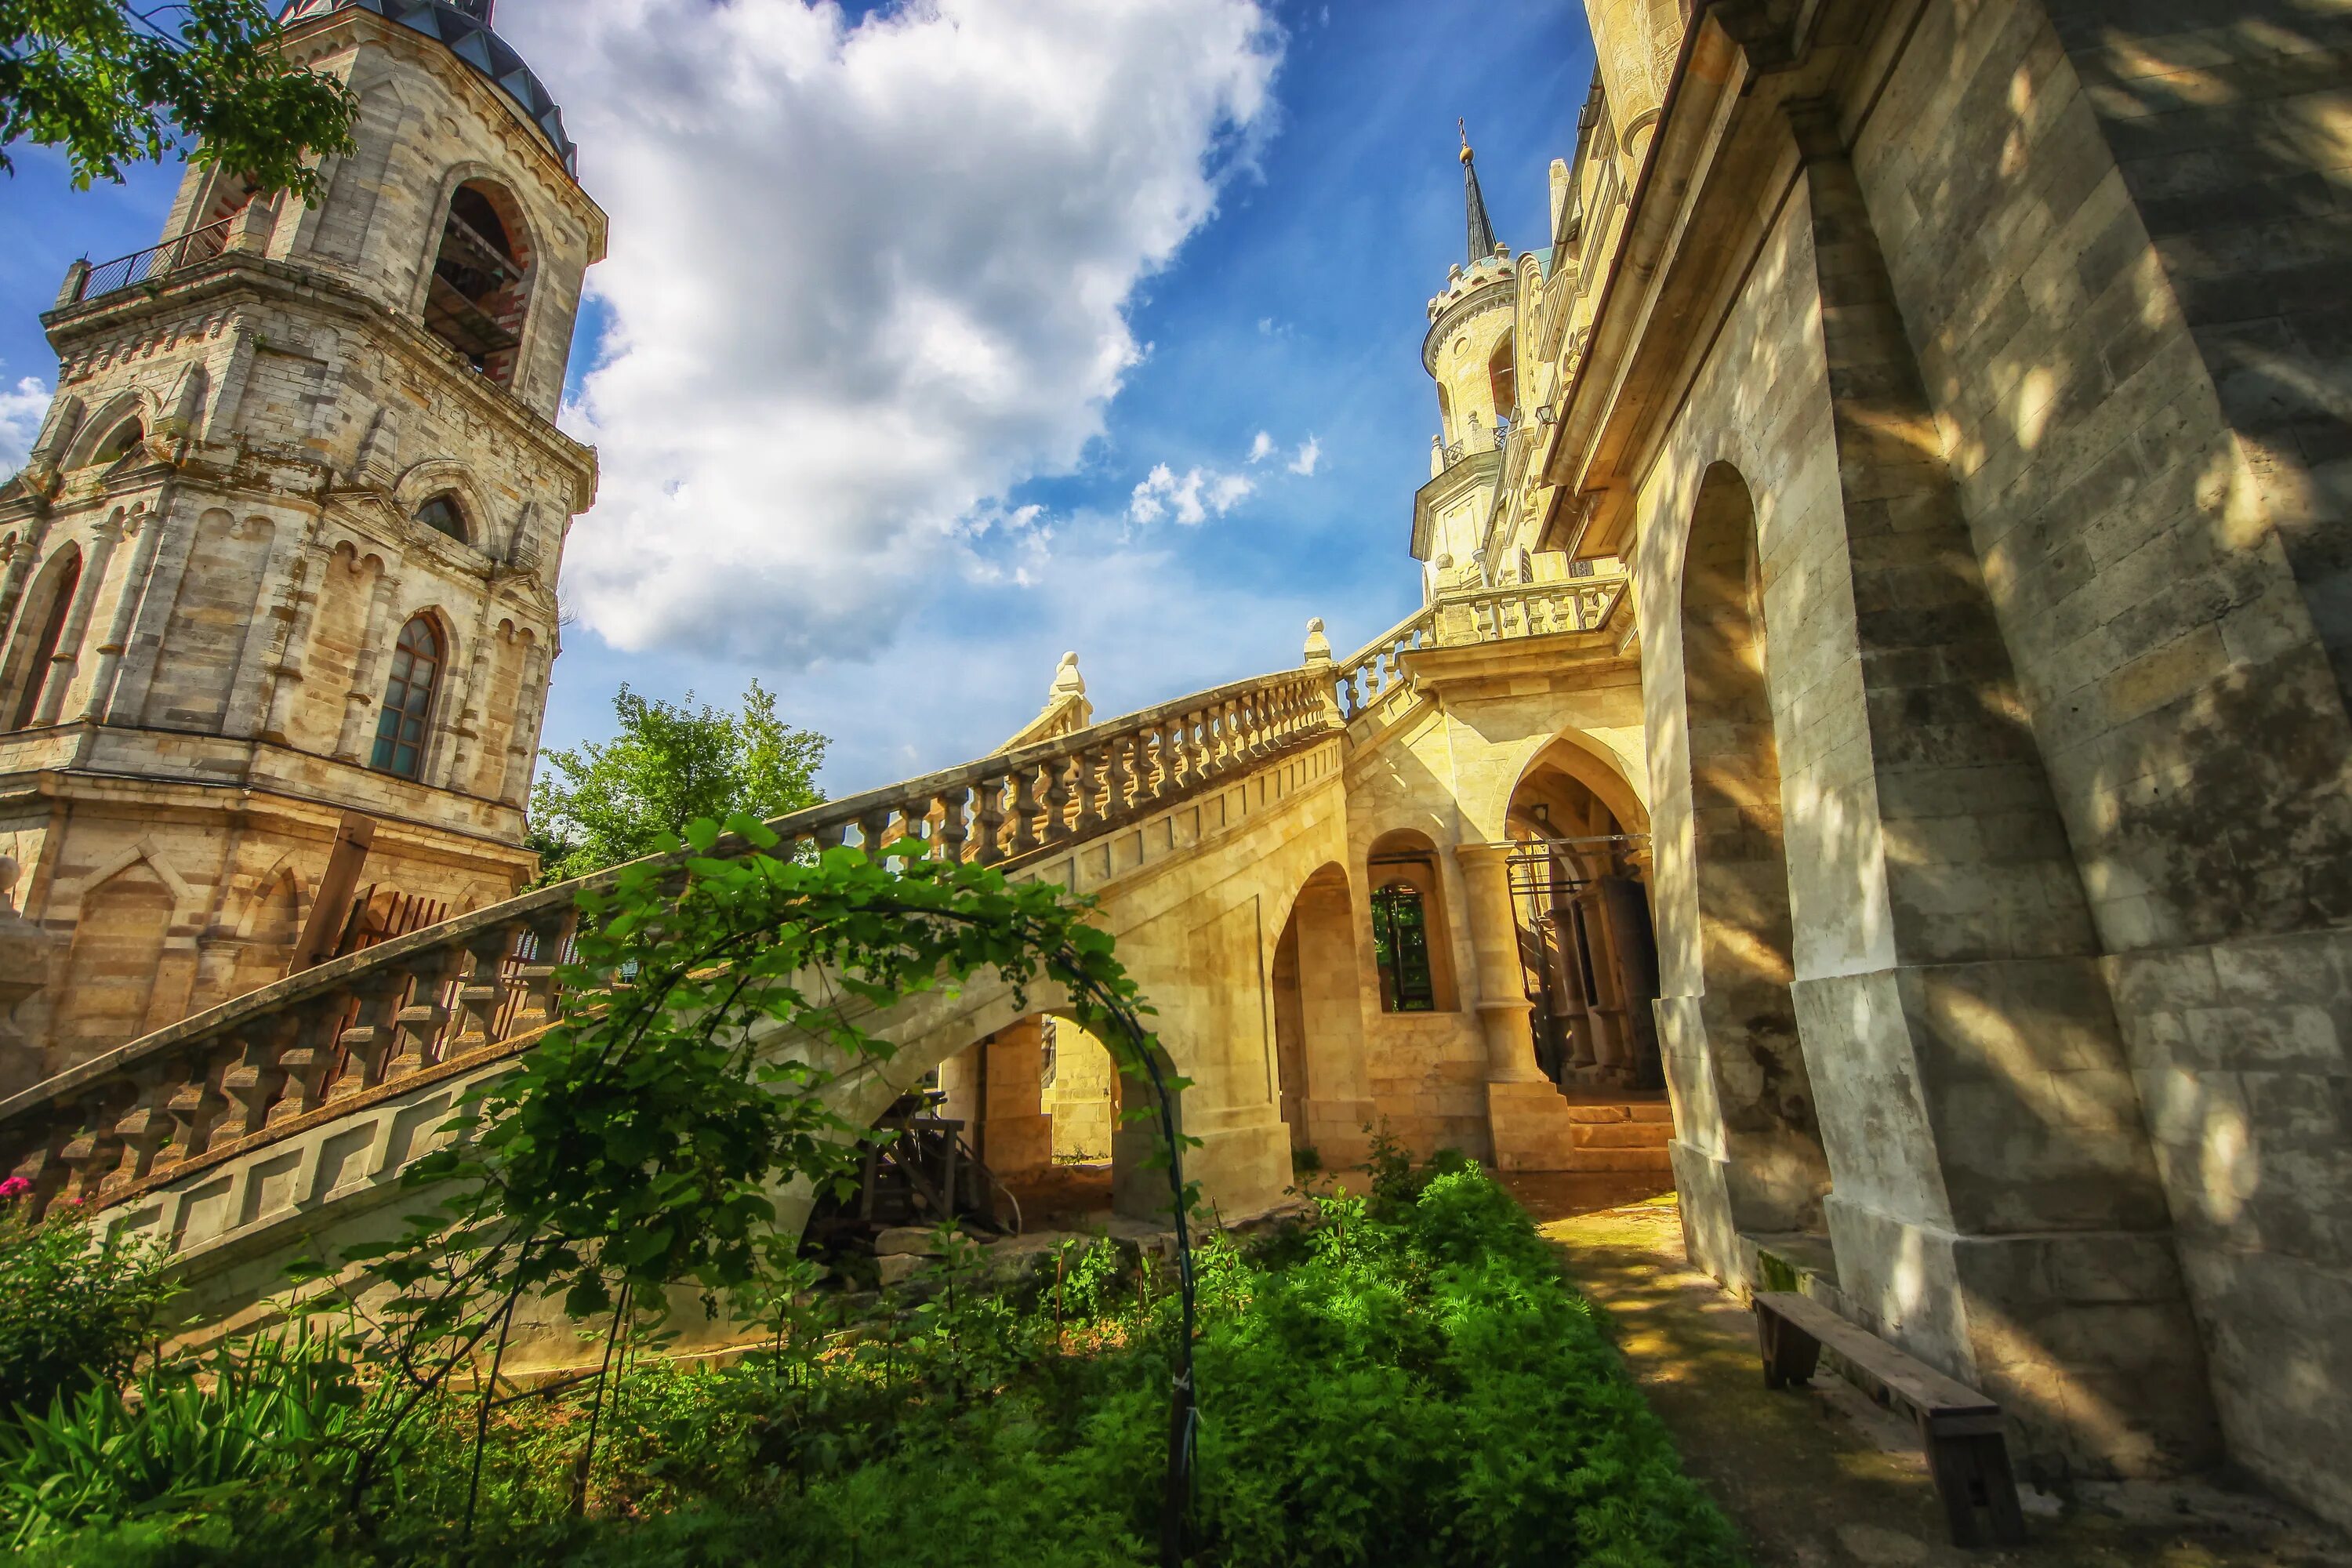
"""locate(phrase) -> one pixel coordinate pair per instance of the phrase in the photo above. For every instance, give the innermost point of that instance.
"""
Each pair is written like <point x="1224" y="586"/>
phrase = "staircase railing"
<point x="1364" y="680"/>
<point x="448" y="998"/>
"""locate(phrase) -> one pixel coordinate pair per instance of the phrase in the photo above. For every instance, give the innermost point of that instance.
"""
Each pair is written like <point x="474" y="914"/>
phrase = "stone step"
<point x="1621" y="1135"/>
<point x="1658" y="1110"/>
<point x="1619" y="1160"/>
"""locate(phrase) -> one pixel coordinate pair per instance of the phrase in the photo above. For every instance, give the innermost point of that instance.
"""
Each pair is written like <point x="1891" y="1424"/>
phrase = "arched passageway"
<point x="1779" y="1173"/>
<point x="1318" y="1024"/>
<point x="1581" y="899"/>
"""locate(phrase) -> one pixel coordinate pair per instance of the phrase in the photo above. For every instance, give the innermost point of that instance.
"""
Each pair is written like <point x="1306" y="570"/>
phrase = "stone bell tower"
<point x="286" y="548"/>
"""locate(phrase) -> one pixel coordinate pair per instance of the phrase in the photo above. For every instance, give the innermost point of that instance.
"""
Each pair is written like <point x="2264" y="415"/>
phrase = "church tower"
<point x="1469" y="351"/>
<point x="279" y="575"/>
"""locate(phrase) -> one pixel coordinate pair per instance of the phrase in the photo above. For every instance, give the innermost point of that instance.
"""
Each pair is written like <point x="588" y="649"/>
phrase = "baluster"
<point x="913" y="816"/>
<point x="541" y="1003"/>
<point x="482" y="992"/>
<point x="44" y="1164"/>
<point x="1057" y="798"/>
<point x="1352" y="700"/>
<point x="94" y="1150"/>
<point x="1196" y="733"/>
<point x="871" y="826"/>
<point x="1121" y="796"/>
<point x="833" y="835"/>
<point x="196" y="1103"/>
<point x="251" y="1084"/>
<point x="311" y="1055"/>
<point x="990" y="817"/>
<point x="952" y="832"/>
<point x="1086" y="780"/>
<point x="1024" y="808"/>
<point x="417" y="1025"/>
<point x="1163" y="761"/>
<point x="143" y="1131"/>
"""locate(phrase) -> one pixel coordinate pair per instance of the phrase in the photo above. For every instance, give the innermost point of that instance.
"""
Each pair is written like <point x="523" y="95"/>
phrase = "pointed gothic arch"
<point x="40" y="625"/>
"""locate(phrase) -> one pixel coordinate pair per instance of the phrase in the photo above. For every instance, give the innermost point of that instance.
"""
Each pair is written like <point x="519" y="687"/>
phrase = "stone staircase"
<point x="1619" y="1134"/>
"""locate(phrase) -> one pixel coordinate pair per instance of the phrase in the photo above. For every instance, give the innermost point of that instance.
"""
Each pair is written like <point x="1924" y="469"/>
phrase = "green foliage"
<point x="1416" y="1389"/>
<point x="81" y="1307"/>
<point x="118" y="81"/>
<point x="669" y="765"/>
<point x="186" y="1439"/>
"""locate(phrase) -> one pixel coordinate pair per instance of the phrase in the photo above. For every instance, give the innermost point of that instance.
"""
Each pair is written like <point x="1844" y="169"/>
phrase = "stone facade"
<point x="1960" y="378"/>
<point x="265" y="463"/>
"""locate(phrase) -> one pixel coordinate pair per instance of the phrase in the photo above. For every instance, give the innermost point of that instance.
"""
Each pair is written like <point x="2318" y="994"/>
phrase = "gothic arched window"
<point x="443" y="515"/>
<point x="1502" y="380"/>
<point x="1400" y="948"/>
<point x="42" y="625"/>
<point x="400" y="727"/>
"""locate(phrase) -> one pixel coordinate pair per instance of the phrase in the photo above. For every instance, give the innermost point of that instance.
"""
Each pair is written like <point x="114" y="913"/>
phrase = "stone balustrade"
<point x="443" y="1001"/>
<point x="1361" y="683"/>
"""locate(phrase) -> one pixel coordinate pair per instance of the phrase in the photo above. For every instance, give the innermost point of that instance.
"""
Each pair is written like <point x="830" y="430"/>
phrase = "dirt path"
<point x="1824" y="1479"/>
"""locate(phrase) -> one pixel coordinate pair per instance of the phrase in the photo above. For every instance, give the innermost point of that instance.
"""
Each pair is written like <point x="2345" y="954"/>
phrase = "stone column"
<point x="1528" y="1117"/>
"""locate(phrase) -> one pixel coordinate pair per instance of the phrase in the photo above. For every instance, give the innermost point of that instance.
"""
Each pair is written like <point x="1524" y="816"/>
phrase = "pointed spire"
<point x="1482" y="233"/>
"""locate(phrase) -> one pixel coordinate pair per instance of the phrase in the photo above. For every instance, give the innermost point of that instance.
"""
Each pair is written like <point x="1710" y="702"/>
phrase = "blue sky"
<point x="1249" y="230"/>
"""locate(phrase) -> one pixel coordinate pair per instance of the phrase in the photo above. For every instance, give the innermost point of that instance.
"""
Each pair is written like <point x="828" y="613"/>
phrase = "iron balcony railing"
<point x="154" y="262"/>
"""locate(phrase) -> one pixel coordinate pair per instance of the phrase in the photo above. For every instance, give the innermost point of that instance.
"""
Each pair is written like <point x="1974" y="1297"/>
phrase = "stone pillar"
<point x="1996" y="1207"/>
<point x="1527" y="1115"/>
<point x="996" y="1090"/>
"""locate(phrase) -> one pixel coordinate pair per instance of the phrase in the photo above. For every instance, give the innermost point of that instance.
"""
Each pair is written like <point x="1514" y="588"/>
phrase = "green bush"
<point x="1405" y="1381"/>
<point x="81" y="1308"/>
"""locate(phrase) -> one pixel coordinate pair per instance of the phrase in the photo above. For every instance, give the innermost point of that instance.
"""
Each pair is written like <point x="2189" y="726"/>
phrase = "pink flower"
<point x="15" y="1185"/>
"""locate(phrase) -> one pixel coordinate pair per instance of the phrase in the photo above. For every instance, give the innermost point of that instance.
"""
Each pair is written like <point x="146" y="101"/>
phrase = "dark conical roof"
<point x="465" y="26"/>
<point x="1482" y="232"/>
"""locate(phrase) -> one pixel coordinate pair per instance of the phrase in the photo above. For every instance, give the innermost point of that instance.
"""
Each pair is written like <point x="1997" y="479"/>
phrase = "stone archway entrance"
<point x="1319" y="1026"/>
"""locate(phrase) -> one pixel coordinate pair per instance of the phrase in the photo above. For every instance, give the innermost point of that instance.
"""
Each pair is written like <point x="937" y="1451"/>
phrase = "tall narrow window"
<point x="38" y="655"/>
<point x="400" y="728"/>
<point x="1400" y="948"/>
<point x="1503" y="381"/>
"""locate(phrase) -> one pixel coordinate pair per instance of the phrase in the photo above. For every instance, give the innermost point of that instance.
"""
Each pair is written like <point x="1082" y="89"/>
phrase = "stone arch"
<point x="422" y="483"/>
<point x="1402" y="861"/>
<point x="269" y="925"/>
<point x="1318" y="1023"/>
<point x="40" y="624"/>
<point x="123" y="917"/>
<point x="106" y="422"/>
<point x="480" y="273"/>
<point x="1762" y="1086"/>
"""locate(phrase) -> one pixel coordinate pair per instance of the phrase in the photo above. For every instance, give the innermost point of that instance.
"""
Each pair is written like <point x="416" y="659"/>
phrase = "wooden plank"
<point x="1912" y="1381"/>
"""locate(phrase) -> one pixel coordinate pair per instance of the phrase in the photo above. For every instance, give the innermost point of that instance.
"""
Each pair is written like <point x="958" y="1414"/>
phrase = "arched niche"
<point x="1405" y="884"/>
<point x="1318" y="1024"/>
<point x="477" y="290"/>
<point x="40" y="624"/>
<point x="1779" y="1173"/>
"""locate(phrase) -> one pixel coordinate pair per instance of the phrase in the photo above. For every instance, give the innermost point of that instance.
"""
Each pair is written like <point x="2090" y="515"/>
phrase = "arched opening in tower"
<point x="480" y="284"/>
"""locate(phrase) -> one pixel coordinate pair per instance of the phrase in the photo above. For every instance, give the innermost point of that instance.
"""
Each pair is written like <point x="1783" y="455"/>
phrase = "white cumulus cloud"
<point x="1190" y="498"/>
<point x="1310" y="452"/>
<point x="21" y="408"/>
<point x="1262" y="449"/>
<point x="864" y="278"/>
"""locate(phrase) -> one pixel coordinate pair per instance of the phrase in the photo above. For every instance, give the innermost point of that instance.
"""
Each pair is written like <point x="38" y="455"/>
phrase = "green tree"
<point x="125" y="81"/>
<point x="669" y="766"/>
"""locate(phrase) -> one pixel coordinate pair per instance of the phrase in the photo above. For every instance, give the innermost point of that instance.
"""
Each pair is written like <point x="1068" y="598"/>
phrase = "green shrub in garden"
<point x="78" y="1308"/>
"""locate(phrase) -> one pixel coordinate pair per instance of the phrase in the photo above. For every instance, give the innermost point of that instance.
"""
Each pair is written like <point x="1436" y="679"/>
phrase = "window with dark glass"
<point x="1401" y="949"/>
<point x="441" y="515"/>
<point x="408" y="701"/>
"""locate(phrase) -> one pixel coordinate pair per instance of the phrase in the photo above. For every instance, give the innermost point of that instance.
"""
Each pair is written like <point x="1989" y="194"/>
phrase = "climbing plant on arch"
<point x="713" y="999"/>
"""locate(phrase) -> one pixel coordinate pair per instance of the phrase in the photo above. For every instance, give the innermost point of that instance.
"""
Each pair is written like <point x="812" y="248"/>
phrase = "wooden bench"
<point x="1960" y="1427"/>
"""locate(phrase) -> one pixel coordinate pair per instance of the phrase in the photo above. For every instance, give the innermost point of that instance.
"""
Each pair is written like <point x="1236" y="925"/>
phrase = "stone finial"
<point x="1318" y="647"/>
<point x="1068" y="681"/>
